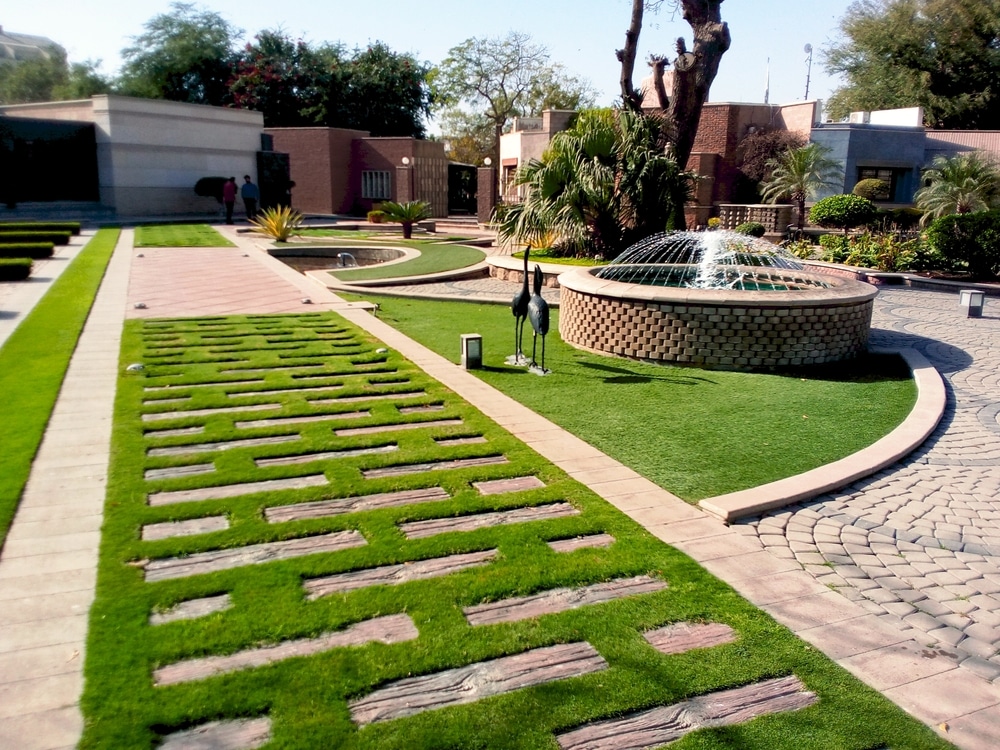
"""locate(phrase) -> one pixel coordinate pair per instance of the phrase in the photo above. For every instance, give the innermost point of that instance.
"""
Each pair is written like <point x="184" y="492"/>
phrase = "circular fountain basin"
<point x="327" y="257"/>
<point x="814" y="318"/>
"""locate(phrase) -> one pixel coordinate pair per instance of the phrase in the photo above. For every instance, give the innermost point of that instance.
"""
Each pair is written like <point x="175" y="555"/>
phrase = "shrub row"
<point x="15" y="269"/>
<point x="55" y="237"/>
<point x="972" y="240"/>
<point x="36" y="250"/>
<point x="73" y="227"/>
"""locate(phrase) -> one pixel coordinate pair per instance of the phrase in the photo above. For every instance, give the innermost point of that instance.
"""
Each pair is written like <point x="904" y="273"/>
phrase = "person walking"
<point x="229" y="197"/>
<point x="250" y="194"/>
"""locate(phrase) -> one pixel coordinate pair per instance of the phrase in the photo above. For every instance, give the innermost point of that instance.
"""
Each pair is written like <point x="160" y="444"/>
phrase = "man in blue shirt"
<point x="250" y="194"/>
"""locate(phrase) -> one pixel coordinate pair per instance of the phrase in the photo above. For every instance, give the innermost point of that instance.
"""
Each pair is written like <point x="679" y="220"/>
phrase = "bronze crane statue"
<point x="538" y="314"/>
<point x="519" y="306"/>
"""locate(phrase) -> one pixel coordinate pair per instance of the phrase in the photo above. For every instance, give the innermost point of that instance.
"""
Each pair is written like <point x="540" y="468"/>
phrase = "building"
<point x="16" y="48"/>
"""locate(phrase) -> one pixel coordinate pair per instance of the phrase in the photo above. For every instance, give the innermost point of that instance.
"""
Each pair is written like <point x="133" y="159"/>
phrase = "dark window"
<point x="886" y="175"/>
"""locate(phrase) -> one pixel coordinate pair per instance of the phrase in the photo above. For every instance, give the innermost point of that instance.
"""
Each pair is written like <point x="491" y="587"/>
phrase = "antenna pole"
<point x="809" y="63"/>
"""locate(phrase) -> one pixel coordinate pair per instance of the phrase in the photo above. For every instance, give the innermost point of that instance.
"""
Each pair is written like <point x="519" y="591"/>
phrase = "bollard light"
<point x="472" y="351"/>
<point x="971" y="300"/>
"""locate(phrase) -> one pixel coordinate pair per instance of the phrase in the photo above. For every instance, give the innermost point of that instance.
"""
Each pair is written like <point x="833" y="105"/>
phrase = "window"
<point x="886" y="175"/>
<point x="375" y="185"/>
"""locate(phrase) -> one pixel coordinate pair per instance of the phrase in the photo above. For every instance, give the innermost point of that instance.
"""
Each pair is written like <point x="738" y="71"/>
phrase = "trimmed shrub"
<point x="36" y="250"/>
<point x="751" y="228"/>
<point x="15" y="269"/>
<point x="56" y="238"/>
<point x="873" y="189"/>
<point x="375" y="216"/>
<point x="73" y="227"/>
<point x="843" y="212"/>
<point x="972" y="240"/>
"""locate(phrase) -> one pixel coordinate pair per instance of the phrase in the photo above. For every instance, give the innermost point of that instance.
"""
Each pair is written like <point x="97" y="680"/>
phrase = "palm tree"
<point x="407" y="214"/>
<point x="600" y="186"/>
<point x="799" y="174"/>
<point x="960" y="185"/>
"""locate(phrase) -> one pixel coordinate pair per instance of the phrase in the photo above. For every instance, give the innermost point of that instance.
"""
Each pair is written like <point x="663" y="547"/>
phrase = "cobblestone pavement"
<point x="919" y="543"/>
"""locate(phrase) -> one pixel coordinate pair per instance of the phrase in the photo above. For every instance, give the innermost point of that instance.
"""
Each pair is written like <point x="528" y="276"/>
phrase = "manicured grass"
<point x="434" y="258"/>
<point x="33" y="362"/>
<point x="696" y="433"/>
<point x="306" y="698"/>
<point x="179" y="235"/>
<point x="543" y="255"/>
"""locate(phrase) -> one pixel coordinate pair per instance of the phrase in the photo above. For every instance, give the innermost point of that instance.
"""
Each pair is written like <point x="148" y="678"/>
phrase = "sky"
<point x="582" y="35"/>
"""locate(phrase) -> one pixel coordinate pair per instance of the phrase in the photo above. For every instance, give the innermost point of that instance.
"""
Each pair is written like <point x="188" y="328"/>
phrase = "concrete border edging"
<point x="911" y="433"/>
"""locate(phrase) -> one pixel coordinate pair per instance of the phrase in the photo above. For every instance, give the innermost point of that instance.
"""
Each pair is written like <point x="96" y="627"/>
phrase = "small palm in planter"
<point x="279" y="223"/>
<point x="407" y="214"/>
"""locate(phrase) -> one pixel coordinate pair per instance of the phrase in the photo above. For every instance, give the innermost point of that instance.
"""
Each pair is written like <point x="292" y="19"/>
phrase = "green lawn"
<point x="179" y="235"/>
<point x="696" y="433"/>
<point x="434" y="257"/>
<point x="221" y="363"/>
<point x="33" y="362"/>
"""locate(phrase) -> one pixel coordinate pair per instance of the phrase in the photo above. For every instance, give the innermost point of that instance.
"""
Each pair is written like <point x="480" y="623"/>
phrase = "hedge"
<point x="73" y="227"/>
<point x="972" y="239"/>
<point x="15" y="269"/>
<point x="36" y="250"/>
<point x="56" y="238"/>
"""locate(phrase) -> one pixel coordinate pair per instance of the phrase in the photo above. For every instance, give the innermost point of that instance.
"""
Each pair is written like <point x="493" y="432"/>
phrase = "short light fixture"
<point x="971" y="300"/>
<point x="472" y="351"/>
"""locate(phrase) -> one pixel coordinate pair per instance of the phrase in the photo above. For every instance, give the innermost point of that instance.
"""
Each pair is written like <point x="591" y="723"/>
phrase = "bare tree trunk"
<point x="626" y="56"/>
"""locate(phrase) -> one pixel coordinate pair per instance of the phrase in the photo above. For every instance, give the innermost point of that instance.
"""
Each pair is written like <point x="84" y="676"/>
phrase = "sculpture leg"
<point x="534" y="343"/>
<point x="543" y="352"/>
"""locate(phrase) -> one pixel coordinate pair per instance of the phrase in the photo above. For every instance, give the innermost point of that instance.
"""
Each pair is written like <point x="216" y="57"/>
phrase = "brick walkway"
<point x="781" y="563"/>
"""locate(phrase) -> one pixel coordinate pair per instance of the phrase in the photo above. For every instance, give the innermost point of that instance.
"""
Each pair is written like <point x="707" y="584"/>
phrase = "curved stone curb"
<point x="914" y="430"/>
<point x="475" y="271"/>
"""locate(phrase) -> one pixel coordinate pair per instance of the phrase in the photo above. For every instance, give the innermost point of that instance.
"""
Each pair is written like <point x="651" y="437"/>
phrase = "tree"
<point x="843" y="212"/>
<point x="499" y="79"/>
<point x="285" y="79"/>
<point x="185" y="55"/>
<point x="694" y="70"/>
<point x="468" y="136"/>
<point x="963" y="184"/>
<point x="387" y="93"/>
<point x="600" y="186"/>
<point x="942" y="55"/>
<point x="800" y="173"/>
<point x="407" y="214"/>
<point x="756" y="153"/>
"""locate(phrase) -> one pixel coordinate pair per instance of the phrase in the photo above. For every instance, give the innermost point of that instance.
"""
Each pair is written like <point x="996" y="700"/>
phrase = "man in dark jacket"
<point x="250" y="194"/>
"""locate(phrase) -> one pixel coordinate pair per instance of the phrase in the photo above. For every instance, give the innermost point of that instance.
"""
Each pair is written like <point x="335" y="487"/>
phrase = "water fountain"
<point x="715" y="299"/>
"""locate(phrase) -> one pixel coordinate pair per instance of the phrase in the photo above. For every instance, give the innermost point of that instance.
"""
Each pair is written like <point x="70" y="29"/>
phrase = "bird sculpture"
<point x="519" y="306"/>
<point x="538" y="314"/>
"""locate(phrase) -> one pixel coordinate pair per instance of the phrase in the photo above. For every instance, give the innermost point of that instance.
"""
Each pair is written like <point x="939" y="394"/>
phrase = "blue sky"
<point x="582" y="35"/>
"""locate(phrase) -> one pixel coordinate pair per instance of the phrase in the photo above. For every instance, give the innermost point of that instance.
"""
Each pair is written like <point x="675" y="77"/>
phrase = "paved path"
<point x="41" y="635"/>
<point x="919" y="544"/>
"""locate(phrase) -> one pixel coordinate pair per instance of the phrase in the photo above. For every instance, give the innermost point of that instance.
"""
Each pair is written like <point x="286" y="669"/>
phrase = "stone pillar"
<point x="404" y="184"/>
<point x="486" y="193"/>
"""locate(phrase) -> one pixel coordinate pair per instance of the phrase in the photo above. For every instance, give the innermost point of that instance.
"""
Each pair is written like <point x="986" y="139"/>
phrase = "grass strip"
<point x="307" y="698"/>
<point x="434" y="257"/>
<point x="696" y="433"/>
<point x="33" y="362"/>
<point x="179" y="235"/>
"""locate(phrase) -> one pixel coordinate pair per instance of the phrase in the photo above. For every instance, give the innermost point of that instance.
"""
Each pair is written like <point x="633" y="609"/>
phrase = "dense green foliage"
<point x="890" y="252"/>
<point x="37" y="250"/>
<point x="14" y="269"/>
<point x="50" y="78"/>
<point x="799" y="174"/>
<point x="696" y="433"/>
<point x="599" y="187"/>
<point x="73" y="227"/>
<point x="971" y="240"/>
<point x="33" y="362"/>
<point x="843" y="212"/>
<point x="751" y="228"/>
<point x="55" y="237"/>
<point x="872" y="188"/>
<point x="941" y="55"/>
<point x="407" y="214"/>
<point x="962" y="184"/>
<point x="307" y="697"/>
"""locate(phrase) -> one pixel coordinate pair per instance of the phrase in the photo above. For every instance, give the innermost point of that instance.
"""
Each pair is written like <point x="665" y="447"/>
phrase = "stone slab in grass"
<point x="560" y="600"/>
<point x="514" y="484"/>
<point x="192" y="609"/>
<point x="240" y="734"/>
<point x="420" y="409"/>
<point x="306" y="419"/>
<point x="277" y="391"/>
<point x="659" y="726"/>
<point x="390" y="575"/>
<point x="379" y="428"/>
<point x="223" y="491"/>
<point x="191" y="527"/>
<point x="160" y="416"/>
<point x="458" y="463"/>
<point x="223" y="445"/>
<point x="179" y="432"/>
<point x="162" y="401"/>
<point x="179" y="386"/>
<point x="680" y="637"/>
<point x="174" y="472"/>
<point x="254" y="554"/>
<point x="366" y="397"/>
<point x="582" y="542"/>
<point x="306" y="458"/>
<point x="474" y="682"/>
<point x="448" y="442"/>
<point x="434" y="526"/>
<point x="340" y="506"/>
<point x="323" y="375"/>
<point x="390" y="629"/>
